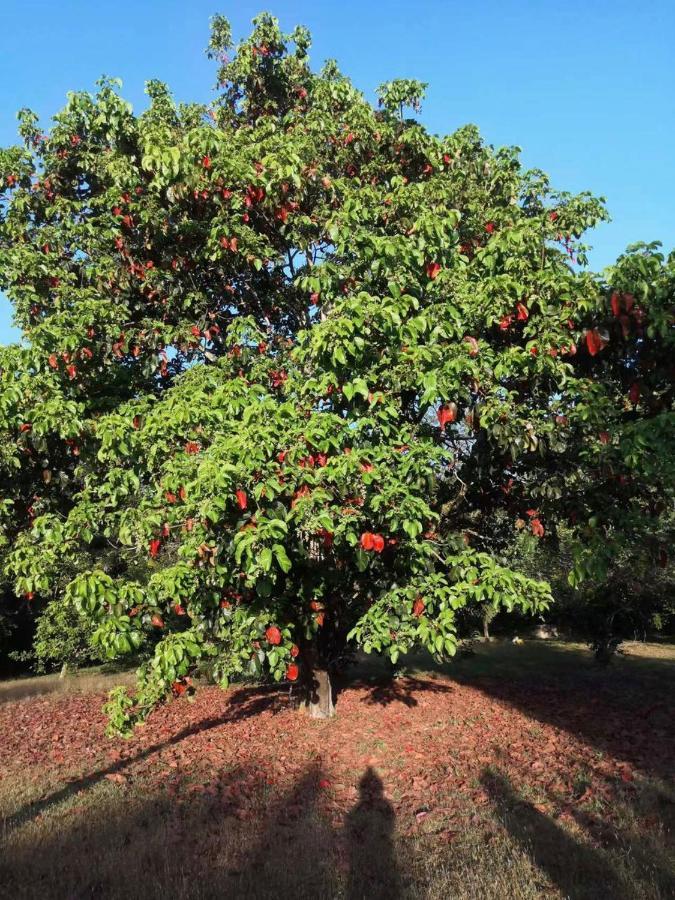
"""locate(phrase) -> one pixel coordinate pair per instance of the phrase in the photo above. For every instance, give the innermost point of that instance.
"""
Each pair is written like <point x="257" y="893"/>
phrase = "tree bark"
<point x="320" y="703"/>
<point x="486" y="627"/>
<point x="318" y="700"/>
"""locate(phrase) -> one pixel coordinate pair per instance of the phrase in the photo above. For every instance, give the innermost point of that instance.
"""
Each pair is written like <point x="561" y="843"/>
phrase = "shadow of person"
<point x="578" y="870"/>
<point x="369" y="827"/>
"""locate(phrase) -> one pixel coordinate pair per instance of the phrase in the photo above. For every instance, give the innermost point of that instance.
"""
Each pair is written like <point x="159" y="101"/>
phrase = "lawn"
<point x="518" y="772"/>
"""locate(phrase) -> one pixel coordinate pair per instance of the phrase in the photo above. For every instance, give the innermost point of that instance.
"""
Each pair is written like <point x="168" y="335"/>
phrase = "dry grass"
<point x="112" y="838"/>
<point x="88" y="681"/>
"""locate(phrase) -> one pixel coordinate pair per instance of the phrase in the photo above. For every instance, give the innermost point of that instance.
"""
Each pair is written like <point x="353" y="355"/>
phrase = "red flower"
<point x="378" y="543"/>
<point x="521" y="312"/>
<point x="604" y="437"/>
<point x="295" y="651"/>
<point x="634" y="393"/>
<point x="367" y="540"/>
<point x="537" y="528"/>
<point x="137" y="422"/>
<point x="155" y="544"/>
<point x="446" y="413"/>
<point x="273" y="635"/>
<point x="594" y="341"/>
<point x="320" y="618"/>
<point x="72" y="371"/>
<point x="53" y="361"/>
<point x="292" y="672"/>
<point x="157" y="621"/>
<point x="418" y="607"/>
<point x="24" y="427"/>
<point x="490" y="227"/>
<point x="178" y="688"/>
<point x="505" y="322"/>
<point x="179" y="610"/>
<point x="277" y="378"/>
<point x="192" y="447"/>
<point x="206" y="162"/>
<point x="433" y="268"/>
<point x="553" y="215"/>
<point x="242" y="499"/>
<point x="170" y="497"/>
<point x="615" y="302"/>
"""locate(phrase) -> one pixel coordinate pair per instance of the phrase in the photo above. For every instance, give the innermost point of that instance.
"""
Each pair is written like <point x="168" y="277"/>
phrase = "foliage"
<point x="63" y="636"/>
<point x="299" y="370"/>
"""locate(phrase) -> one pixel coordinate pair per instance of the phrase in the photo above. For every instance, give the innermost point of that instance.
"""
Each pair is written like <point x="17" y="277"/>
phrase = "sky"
<point x="584" y="87"/>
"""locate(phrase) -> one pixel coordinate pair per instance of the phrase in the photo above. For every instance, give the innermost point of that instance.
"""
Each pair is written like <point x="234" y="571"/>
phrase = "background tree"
<point x="324" y="363"/>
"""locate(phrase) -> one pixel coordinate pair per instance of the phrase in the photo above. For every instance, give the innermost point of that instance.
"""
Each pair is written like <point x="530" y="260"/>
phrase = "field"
<point x="519" y="772"/>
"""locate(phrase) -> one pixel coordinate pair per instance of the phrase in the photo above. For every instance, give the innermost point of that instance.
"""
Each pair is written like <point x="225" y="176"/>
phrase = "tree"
<point x="322" y="360"/>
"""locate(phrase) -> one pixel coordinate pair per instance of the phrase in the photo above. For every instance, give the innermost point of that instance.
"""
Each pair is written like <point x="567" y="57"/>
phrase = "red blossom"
<point x="242" y="499"/>
<point x="273" y="635"/>
<point x="446" y="414"/>
<point x="594" y="341"/>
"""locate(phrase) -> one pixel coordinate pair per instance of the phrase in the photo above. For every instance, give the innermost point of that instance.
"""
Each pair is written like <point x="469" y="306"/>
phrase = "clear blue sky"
<point x="585" y="87"/>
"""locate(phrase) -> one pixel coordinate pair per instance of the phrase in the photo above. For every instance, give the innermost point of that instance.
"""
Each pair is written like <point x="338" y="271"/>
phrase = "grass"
<point x="247" y="811"/>
<point x="88" y="681"/>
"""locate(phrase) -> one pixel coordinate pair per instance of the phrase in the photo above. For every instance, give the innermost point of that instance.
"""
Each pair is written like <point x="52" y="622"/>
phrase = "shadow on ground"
<point x="624" y="710"/>
<point x="214" y="847"/>
<point x="242" y="704"/>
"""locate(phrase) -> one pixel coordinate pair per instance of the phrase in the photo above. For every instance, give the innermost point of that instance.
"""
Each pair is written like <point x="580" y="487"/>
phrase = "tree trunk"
<point x="64" y="670"/>
<point x="318" y="701"/>
<point x="320" y="704"/>
<point x="486" y="627"/>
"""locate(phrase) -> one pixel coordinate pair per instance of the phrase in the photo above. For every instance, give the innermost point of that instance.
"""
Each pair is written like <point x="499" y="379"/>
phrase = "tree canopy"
<point x="295" y="371"/>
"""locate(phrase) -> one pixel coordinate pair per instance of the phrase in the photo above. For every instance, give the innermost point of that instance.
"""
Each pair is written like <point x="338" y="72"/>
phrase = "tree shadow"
<point x="625" y="711"/>
<point x="239" y="840"/>
<point x="382" y="691"/>
<point x="578" y="870"/>
<point x="632" y="843"/>
<point x="242" y="704"/>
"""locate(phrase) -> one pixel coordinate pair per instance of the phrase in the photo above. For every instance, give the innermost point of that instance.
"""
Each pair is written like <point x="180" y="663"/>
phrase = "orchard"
<point x="296" y="374"/>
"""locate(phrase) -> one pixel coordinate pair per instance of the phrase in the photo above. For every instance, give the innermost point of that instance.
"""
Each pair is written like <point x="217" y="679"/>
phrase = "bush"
<point x="62" y="637"/>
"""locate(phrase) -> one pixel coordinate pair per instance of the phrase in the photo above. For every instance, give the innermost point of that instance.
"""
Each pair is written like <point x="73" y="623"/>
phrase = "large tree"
<point x="323" y="364"/>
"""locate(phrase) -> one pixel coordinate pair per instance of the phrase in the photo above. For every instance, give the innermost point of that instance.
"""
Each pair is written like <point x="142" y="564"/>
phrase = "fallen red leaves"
<point x="429" y="741"/>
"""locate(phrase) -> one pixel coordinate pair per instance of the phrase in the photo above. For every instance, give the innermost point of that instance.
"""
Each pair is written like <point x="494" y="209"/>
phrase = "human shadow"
<point x="373" y="871"/>
<point x="242" y="838"/>
<point x="241" y="704"/>
<point x="578" y="870"/>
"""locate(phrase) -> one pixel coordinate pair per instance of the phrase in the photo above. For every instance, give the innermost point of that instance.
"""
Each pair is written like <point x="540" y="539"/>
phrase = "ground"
<point x="520" y="772"/>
